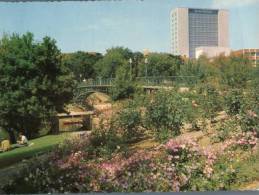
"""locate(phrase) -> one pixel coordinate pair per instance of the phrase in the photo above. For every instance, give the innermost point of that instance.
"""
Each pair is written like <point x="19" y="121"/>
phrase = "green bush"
<point x="236" y="71"/>
<point x="194" y="113"/>
<point x="165" y="113"/>
<point x="225" y="130"/>
<point x="234" y="101"/>
<point x="129" y="120"/>
<point x="103" y="142"/>
<point x="3" y="134"/>
<point x="123" y="86"/>
<point x="212" y="100"/>
<point x="250" y="121"/>
<point x="249" y="112"/>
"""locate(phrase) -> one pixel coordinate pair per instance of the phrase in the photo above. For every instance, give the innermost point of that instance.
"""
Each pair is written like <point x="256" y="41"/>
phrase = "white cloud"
<point x="233" y="3"/>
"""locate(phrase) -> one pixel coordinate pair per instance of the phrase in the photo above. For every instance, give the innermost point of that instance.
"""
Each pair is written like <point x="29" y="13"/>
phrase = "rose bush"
<point x="178" y="165"/>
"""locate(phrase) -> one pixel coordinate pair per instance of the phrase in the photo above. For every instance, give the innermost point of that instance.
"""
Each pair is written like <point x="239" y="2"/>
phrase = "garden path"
<point x="251" y="186"/>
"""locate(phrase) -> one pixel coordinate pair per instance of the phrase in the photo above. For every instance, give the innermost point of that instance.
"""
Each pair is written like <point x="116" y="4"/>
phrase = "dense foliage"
<point x="82" y="64"/>
<point x="123" y="86"/>
<point x="160" y="64"/>
<point x="177" y="165"/>
<point x="218" y="104"/>
<point x="113" y="59"/>
<point x="165" y="113"/>
<point x="34" y="83"/>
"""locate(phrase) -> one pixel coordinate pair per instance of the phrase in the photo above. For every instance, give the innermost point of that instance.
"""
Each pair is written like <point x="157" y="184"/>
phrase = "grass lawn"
<point x="41" y="145"/>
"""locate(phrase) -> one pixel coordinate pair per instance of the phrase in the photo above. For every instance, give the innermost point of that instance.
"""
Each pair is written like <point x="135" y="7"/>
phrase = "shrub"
<point x="234" y="101"/>
<point x="62" y="170"/>
<point x="129" y="121"/>
<point x="3" y="135"/>
<point x="212" y="100"/>
<point x="225" y="131"/>
<point x="123" y="86"/>
<point x="178" y="165"/>
<point x="104" y="142"/>
<point x="236" y="71"/>
<point x="165" y="112"/>
<point x="193" y="110"/>
<point x="250" y="121"/>
<point x="243" y="140"/>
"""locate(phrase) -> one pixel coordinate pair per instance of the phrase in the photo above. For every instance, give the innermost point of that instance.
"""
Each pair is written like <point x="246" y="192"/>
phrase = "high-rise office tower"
<point x="192" y="28"/>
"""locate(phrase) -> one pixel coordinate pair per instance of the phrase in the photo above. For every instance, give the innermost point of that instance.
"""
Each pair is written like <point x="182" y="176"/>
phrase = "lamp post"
<point x="130" y="61"/>
<point x="80" y="77"/>
<point x="146" y="61"/>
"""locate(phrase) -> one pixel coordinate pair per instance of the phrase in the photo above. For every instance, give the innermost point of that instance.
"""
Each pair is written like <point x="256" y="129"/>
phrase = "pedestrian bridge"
<point x="149" y="84"/>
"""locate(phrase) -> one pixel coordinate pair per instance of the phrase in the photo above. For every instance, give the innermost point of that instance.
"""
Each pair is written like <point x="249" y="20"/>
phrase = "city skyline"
<point x="97" y="26"/>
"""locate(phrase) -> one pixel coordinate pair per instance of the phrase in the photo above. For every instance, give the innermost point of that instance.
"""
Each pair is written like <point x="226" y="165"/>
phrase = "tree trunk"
<point x="12" y="136"/>
<point x="54" y="125"/>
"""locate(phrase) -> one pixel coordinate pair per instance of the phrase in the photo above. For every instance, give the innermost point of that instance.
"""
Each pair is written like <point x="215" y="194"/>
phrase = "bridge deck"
<point x="157" y="87"/>
<point x="71" y="114"/>
<point x="146" y="86"/>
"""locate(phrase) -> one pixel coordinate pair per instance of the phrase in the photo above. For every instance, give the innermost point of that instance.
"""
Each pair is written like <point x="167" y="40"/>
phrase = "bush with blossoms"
<point x="63" y="170"/>
<point x="192" y="164"/>
<point x="243" y="140"/>
<point x="177" y="165"/>
<point x="180" y="165"/>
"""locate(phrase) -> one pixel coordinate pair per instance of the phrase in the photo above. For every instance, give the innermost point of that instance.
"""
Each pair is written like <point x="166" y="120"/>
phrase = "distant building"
<point x="252" y="54"/>
<point x="211" y="52"/>
<point x="146" y="52"/>
<point x="192" y="28"/>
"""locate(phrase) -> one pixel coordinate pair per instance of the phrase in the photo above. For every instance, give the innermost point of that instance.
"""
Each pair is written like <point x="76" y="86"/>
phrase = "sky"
<point x="95" y="26"/>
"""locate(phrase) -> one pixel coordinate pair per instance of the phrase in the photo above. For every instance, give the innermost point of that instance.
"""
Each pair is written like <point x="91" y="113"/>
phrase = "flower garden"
<point x="105" y="160"/>
<point x="199" y="134"/>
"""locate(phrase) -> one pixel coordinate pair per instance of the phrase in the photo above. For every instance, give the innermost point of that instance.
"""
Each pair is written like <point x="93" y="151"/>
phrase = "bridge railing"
<point x="165" y="81"/>
<point x="147" y="81"/>
<point x="96" y="82"/>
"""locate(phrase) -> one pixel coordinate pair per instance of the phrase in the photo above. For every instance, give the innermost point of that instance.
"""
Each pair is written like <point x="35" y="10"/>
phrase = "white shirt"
<point x="24" y="140"/>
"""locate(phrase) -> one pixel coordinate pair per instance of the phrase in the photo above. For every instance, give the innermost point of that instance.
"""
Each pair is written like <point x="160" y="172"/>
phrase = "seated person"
<point x="23" y="141"/>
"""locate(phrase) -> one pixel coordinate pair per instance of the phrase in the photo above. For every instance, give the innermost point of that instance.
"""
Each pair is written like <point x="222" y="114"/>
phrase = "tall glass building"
<point x="193" y="28"/>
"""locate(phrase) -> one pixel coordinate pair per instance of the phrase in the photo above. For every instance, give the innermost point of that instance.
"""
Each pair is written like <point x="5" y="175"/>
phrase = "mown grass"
<point x="40" y="146"/>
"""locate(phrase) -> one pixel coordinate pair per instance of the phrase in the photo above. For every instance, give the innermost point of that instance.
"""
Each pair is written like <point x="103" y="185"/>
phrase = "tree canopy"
<point x="82" y="64"/>
<point x="161" y="64"/>
<point x="113" y="59"/>
<point x="34" y="83"/>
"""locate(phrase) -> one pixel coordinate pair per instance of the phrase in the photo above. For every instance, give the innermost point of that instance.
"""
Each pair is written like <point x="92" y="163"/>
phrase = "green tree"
<point x="235" y="71"/>
<point x="165" y="114"/>
<point x="199" y="70"/>
<point x="161" y="64"/>
<point x="113" y="59"/>
<point x="82" y="64"/>
<point x="123" y="86"/>
<point x="138" y="58"/>
<point x="34" y="83"/>
<point x="129" y="121"/>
